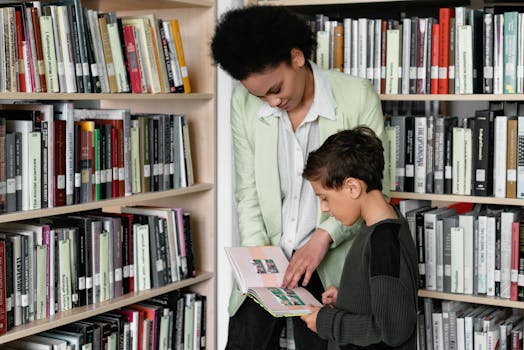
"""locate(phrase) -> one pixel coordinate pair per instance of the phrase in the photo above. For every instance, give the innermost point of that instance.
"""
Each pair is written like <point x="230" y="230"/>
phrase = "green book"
<point x="511" y="24"/>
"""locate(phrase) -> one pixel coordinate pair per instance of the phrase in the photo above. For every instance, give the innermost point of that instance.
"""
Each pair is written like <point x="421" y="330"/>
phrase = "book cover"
<point x="259" y="272"/>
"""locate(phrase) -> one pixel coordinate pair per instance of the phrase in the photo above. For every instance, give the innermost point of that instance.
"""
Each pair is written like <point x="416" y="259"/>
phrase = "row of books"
<point x="466" y="251"/>
<point x="54" y="264"/>
<point x="463" y="51"/>
<point x="63" y="47"/>
<point x="175" y="320"/>
<point x="54" y="154"/>
<point x="479" y="155"/>
<point x="462" y="326"/>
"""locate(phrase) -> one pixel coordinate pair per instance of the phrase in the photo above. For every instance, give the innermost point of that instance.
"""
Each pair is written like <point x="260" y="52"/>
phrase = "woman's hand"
<point x="311" y="319"/>
<point x="306" y="259"/>
<point x="329" y="297"/>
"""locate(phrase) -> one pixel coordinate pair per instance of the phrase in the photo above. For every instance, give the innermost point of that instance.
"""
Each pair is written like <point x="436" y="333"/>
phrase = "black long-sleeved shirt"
<point x="376" y="307"/>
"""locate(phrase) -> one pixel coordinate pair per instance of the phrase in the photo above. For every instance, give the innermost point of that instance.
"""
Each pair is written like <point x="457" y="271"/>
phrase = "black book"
<point x="420" y="242"/>
<point x="96" y="85"/>
<point x="413" y="56"/>
<point x="18" y="170"/>
<point x="449" y="124"/>
<point x="475" y="20"/>
<point x="9" y="290"/>
<point x="75" y="43"/>
<point x="188" y="240"/>
<point x="409" y="180"/>
<point x="84" y="328"/>
<point x="483" y="159"/>
<point x="76" y="164"/>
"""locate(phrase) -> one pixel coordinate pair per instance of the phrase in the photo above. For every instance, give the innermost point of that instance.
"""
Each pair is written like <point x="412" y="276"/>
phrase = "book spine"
<point x="488" y="53"/>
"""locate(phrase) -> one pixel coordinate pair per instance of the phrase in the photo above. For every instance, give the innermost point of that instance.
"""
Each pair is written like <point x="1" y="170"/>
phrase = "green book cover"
<point x="41" y="288"/>
<point x="64" y="251"/>
<point x="97" y="147"/>
<point x="510" y="51"/>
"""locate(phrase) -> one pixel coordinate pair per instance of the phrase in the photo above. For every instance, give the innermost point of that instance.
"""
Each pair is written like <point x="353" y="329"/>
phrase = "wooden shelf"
<point x="319" y="2"/>
<point x="457" y="198"/>
<point x="129" y="5"/>
<point x="453" y="97"/>
<point x="477" y="299"/>
<point x="80" y="313"/>
<point x="115" y="202"/>
<point x="117" y="97"/>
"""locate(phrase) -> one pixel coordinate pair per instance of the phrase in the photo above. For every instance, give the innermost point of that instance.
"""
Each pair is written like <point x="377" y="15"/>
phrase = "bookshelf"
<point x="466" y="103"/>
<point x="196" y="18"/>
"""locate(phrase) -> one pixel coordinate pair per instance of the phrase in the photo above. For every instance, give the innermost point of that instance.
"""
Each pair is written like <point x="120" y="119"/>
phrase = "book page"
<point x="284" y="301"/>
<point x="262" y="266"/>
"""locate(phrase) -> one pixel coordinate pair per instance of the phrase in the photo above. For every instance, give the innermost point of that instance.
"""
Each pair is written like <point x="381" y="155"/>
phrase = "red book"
<point x="445" y="14"/>
<point x="435" y="47"/>
<point x="136" y="319"/>
<point x="60" y="162"/>
<point x="384" y="29"/>
<point x="153" y="313"/>
<point x="515" y="234"/>
<point x="132" y="59"/>
<point x="39" y="50"/>
<point x="20" y="39"/>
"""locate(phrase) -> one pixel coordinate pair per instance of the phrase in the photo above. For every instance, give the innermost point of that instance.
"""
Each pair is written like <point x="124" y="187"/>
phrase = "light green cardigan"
<point x="255" y="140"/>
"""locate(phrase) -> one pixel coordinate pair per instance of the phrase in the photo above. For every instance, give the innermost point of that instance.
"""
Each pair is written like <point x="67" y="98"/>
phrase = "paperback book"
<point x="259" y="272"/>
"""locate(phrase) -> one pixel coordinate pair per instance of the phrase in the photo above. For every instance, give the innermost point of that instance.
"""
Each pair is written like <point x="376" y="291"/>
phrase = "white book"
<point x="323" y="49"/>
<point x="464" y="64"/>
<point x="506" y="222"/>
<point x="362" y="46"/>
<point x="66" y="46"/>
<point x="118" y="58"/>
<point x="438" y="331"/>
<point x="141" y="247"/>
<point x="420" y="153"/>
<point x="377" y="75"/>
<point x="422" y="51"/>
<point x="467" y="222"/>
<point x="354" y="47"/>
<point x="499" y="157"/>
<point x="347" y="22"/>
<point x="498" y="54"/>
<point x="48" y="50"/>
<point x="520" y="157"/>
<point x="491" y="232"/>
<point x="392" y="60"/>
<point x="98" y="50"/>
<point x="370" y="50"/>
<point x="457" y="260"/>
<point x="459" y="162"/>
<point x="58" y="49"/>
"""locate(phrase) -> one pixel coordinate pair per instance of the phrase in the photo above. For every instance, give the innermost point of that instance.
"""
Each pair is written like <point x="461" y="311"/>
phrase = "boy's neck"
<point x="375" y="208"/>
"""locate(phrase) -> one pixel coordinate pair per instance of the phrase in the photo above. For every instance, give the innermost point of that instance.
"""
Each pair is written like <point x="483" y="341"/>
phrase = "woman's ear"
<point x="353" y="186"/>
<point x="297" y="57"/>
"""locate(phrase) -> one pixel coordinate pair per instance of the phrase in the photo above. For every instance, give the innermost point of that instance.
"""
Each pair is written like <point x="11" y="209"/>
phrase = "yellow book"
<point x="180" y="54"/>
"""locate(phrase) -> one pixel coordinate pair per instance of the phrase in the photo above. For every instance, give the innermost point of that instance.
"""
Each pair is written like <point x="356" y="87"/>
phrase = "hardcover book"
<point x="259" y="272"/>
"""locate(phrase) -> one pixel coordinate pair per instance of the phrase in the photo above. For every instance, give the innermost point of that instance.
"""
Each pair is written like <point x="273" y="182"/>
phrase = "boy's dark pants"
<point x="252" y="327"/>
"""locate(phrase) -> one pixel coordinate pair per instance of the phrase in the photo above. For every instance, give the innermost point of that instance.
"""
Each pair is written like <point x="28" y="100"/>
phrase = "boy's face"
<point x="282" y="86"/>
<point x="342" y="204"/>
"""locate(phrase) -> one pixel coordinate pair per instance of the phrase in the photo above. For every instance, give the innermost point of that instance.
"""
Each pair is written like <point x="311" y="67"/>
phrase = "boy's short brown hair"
<point x="356" y="153"/>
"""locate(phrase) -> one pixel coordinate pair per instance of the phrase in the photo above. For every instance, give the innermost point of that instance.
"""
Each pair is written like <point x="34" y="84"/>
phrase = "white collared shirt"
<point x="299" y="203"/>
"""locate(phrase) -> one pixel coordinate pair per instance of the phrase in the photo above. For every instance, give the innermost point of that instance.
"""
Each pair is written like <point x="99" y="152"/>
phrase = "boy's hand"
<point x="329" y="297"/>
<point x="311" y="319"/>
<point x="306" y="259"/>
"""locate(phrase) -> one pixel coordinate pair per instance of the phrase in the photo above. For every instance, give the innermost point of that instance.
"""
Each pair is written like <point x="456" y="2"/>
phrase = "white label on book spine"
<point x="400" y="171"/>
<point x="60" y="67"/>
<point x="97" y="279"/>
<point x="442" y="72"/>
<point x="439" y="175"/>
<point x="147" y="172"/>
<point x="85" y="68"/>
<point x="89" y="282"/>
<point x="11" y="185"/>
<point x="448" y="169"/>
<point x="155" y="169"/>
<point x="451" y="72"/>
<point x="412" y="72"/>
<point x="514" y="275"/>
<point x="422" y="269"/>
<point x="77" y="179"/>
<point x="480" y="175"/>
<point x="61" y="182"/>
<point x="410" y="170"/>
<point x="184" y="71"/>
<point x="24" y="299"/>
<point x="383" y="72"/>
<point x="18" y="182"/>
<point x="421" y="71"/>
<point x="8" y="303"/>
<point x="126" y="271"/>
<point x="512" y="175"/>
<point x="74" y="296"/>
<point x="520" y="280"/>
<point x="82" y="283"/>
<point x="434" y="72"/>
<point x="132" y="270"/>
<point x="118" y="275"/>
<point x="369" y="73"/>
<point x="159" y="265"/>
<point x="497" y="275"/>
<point x="78" y="69"/>
<point x="488" y="72"/>
<point x="171" y="168"/>
<point x="94" y="70"/>
<point x="115" y="173"/>
<point x="376" y="73"/>
<point x="121" y="173"/>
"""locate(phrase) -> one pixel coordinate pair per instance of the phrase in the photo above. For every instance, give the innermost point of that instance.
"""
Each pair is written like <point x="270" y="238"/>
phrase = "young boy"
<point x="376" y="303"/>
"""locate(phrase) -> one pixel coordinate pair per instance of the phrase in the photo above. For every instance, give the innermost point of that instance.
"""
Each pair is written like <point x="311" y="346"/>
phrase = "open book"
<point x="259" y="272"/>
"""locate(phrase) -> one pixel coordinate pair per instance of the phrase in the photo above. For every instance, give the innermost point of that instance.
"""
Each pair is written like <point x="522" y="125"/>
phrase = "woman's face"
<point x="282" y="86"/>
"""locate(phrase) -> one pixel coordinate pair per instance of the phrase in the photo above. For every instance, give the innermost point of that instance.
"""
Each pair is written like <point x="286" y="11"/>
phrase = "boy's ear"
<point x="353" y="186"/>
